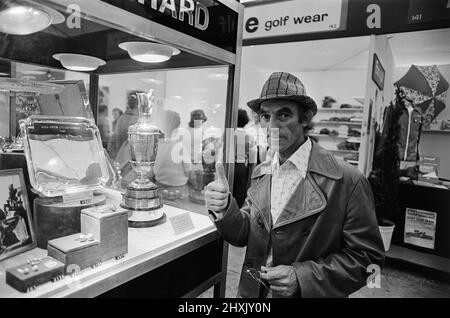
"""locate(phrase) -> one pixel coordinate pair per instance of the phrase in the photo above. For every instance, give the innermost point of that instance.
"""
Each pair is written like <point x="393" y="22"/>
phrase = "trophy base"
<point x="149" y="223"/>
<point x="146" y="218"/>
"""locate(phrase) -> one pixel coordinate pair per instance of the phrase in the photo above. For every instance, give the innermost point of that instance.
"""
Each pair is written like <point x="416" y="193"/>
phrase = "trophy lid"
<point x="145" y="125"/>
<point x="64" y="154"/>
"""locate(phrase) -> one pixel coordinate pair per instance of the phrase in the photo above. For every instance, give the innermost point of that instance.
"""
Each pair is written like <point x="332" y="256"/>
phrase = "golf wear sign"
<point x="293" y="17"/>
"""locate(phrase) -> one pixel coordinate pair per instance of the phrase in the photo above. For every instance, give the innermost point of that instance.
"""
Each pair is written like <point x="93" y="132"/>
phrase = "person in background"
<point x="245" y="158"/>
<point x="308" y="221"/>
<point x="120" y="134"/>
<point x="192" y="139"/>
<point x="117" y="112"/>
<point x="103" y="124"/>
<point x="168" y="173"/>
<point x="259" y="134"/>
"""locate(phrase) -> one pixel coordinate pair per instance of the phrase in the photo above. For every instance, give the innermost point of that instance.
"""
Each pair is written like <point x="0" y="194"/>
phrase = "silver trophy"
<point x="142" y="197"/>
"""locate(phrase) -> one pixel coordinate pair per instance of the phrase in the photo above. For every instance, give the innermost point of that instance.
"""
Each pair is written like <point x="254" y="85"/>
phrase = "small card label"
<point x="80" y="197"/>
<point x="181" y="223"/>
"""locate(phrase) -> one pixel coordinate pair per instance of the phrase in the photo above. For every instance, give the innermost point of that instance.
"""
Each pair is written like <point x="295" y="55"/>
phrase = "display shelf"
<point x="328" y="136"/>
<point x="329" y="122"/>
<point x="340" y="110"/>
<point x="436" y="131"/>
<point x="433" y="264"/>
<point x="343" y="151"/>
<point x="353" y="139"/>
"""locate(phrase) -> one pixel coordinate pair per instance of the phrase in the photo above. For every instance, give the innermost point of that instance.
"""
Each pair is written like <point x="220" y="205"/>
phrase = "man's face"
<point x="282" y="116"/>
<point x="116" y="115"/>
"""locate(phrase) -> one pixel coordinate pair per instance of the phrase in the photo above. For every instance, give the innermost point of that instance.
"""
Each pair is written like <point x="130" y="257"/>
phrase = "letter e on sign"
<point x="251" y="25"/>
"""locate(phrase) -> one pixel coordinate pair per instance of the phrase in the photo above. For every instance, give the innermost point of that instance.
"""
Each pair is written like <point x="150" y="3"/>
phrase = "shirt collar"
<point x="299" y="158"/>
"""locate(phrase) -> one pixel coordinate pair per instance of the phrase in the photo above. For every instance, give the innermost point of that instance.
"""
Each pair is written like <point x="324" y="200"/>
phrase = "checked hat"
<point x="282" y="85"/>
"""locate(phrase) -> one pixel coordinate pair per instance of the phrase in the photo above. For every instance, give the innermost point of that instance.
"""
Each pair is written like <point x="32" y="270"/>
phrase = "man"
<point x="103" y="124"/>
<point x="308" y="220"/>
<point x="255" y="130"/>
<point x="120" y="133"/>
<point x="117" y="112"/>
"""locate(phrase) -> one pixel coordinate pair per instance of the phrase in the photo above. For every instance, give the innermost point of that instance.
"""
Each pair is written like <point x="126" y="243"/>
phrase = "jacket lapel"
<point x="306" y="200"/>
<point x="258" y="194"/>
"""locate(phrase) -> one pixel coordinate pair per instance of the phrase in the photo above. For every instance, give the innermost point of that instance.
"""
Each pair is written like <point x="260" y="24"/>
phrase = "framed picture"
<point x="378" y="72"/>
<point x="16" y="226"/>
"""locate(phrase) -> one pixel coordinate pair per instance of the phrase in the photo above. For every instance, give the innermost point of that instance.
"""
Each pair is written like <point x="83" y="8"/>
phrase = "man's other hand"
<point x="282" y="279"/>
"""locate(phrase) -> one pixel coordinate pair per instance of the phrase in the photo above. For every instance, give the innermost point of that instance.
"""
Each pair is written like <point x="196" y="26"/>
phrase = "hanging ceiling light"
<point x="147" y="52"/>
<point x="79" y="62"/>
<point x="22" y="18"/>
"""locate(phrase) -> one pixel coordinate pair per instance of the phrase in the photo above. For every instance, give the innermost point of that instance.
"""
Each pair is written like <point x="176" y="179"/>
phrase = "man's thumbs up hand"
<point x="221" y="177"/>
<point x="217" y="192"/>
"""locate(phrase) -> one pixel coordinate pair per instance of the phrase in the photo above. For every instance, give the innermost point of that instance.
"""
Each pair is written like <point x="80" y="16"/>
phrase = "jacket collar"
<point x="321" y="162"/>
<point x="306" y="200"/>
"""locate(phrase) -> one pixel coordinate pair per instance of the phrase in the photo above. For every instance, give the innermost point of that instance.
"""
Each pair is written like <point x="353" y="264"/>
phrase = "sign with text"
<point x="206" y="20"/>
<point x="356" y="18"/>
<point x="293" y="17"/>
<point x="420" y="228"/>
<point x="181" y="223"/>
<point x="428" y="10"/>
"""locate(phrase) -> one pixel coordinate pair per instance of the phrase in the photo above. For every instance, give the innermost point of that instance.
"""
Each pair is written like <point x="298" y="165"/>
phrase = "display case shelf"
<point x="353" y="162"/>
<point x="340" y="110"/>
<point x="343" y="151"/>
<point x="436" y="131"/>
<point x="329" y="122"/>
<point x="353" y="139"/>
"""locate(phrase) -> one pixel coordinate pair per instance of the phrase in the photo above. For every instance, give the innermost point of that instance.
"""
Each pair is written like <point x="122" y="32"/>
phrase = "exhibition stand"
<point x="95" y="41"/>
<point x="349" y="60"/>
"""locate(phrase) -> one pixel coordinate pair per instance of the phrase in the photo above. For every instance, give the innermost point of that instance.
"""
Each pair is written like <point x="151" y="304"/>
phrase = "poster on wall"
<point x="378" y="72"/>
<point x="420" y="228"/>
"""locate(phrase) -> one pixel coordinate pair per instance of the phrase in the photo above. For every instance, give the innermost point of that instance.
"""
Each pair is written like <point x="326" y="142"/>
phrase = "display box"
<point x="28" y="276"/>
<point x="108" y="225"/>
<point x="73" y="250"/>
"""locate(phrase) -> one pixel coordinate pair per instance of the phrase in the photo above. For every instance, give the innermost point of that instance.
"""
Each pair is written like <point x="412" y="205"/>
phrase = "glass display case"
<point x="106" y="53"/>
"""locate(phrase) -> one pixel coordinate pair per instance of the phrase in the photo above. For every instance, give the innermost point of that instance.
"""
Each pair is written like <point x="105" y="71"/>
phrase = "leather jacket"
<point x="327" y="231"/>
<point x="410" y="125"/>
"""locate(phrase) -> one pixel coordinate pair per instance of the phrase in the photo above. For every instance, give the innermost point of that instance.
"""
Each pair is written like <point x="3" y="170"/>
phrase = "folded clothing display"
<point x="348" y="106"/>
<point x="356" y="118"/>
<point x="354" y="133"/>
<point x="328" y="102"/>
<point x="347" y="145"/>
<point x="334" y="133"/>
<point x="351" y="157"/>
<point x="324" y="131"/>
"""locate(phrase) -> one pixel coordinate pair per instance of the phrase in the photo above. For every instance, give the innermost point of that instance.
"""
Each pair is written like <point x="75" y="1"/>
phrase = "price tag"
<point x="181" y="223"/>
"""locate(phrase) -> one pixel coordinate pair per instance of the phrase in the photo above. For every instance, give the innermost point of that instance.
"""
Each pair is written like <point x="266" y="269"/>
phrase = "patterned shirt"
<point x="287" y="177"/>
